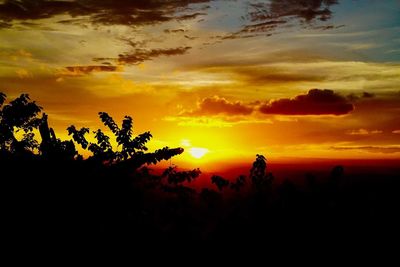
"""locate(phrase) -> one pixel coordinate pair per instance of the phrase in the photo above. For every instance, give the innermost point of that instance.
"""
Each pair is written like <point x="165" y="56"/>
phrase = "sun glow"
<point x="198" y="152"/>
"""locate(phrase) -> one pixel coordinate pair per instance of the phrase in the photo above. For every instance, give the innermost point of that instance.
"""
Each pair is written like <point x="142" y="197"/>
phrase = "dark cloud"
<point x="315" y="102"/>
<point x="138" y="56"/>
<point x="367" y="95"/>
<point x="371" y="149"/>
<point x="307" y="10"/>
<point x="106" y="12"/>
<point x="253" y="30"/>
<point x="356" y="97"/>
<point x="219" y="106"/>
<point x="327" y="27"/>
<point x="174" y="30"/>
<point x="262" y="27"/>
<point x="191" y="16"/>
<point x="86" y="70"/>
<point x="265" y="16"/>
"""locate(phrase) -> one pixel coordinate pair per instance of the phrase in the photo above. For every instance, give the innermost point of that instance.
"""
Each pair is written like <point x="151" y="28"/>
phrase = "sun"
<point x="198" y="152"/>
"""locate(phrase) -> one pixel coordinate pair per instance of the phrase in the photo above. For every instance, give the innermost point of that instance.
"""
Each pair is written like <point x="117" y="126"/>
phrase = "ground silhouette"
<point x="52" y="192"/>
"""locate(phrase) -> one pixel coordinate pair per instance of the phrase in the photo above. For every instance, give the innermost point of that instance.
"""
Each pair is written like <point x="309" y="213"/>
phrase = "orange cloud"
<point x="218" y="105"/>
<point x="364" y="132"/>
<point x="73" y="71"/>
<point x="371" y="149"/>
<point x="23" y="73"/>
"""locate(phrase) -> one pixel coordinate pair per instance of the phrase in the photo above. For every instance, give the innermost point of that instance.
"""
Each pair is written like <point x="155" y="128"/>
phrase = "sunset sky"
<point x="223" y="79"/>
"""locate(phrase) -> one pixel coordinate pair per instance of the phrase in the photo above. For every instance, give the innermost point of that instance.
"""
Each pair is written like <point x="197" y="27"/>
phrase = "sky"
<point x="223" y="79"/>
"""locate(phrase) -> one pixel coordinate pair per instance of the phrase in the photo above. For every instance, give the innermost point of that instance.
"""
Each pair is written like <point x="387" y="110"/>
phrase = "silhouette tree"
<point x="132" y="149"/>
<point x="239" y="183"/>
<point x="260" y="178"/>
<point x="52" y="147"/>
<point x="176" y="180"/>
<point x="18" y="115"/>
<point x="175" y="177"/>
<point x="220" y="182"/>
<point x="337" y="172"/>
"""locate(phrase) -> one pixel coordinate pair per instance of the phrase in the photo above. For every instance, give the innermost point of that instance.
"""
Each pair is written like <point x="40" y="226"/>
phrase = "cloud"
<point x="396" y="131"/>
<point x="106" y="12"/>
<point x="175" y="30"/>
<point x="253" y="30"/>
<point x="219" y="106"/>
<point x="364" y="132"/>
<point x="265" y="16"/>
<point x="355" y="97"/>
<point x="215" y="121"/>
<point x="4" y="25"/>
<point x="262" y="74"/>
<point x="86" y="70"/>
<point x="367" y="95"/>
<point x="315" y="102"/>
<point x="23" y="73"/>
<point x="371" y="149"/>
<point x="140" y="55"/>
<point x="307" y="10"/>
<point x="218" y="112"/>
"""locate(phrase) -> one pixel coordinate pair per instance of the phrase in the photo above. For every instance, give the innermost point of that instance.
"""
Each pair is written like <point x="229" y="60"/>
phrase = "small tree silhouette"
<point x="239" y="183"/>
<point x="175" y="177"/>
<point x="260" y="178"/>
<point x="337" y="172"/>
<point x="220" y="182"/>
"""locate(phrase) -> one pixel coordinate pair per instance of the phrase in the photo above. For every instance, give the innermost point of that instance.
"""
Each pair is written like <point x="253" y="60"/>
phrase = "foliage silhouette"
<point x="239" y="183"/>
<point x="52" y="147"/>
<point x="220" y="182"/>
<point x="175" y="177"/>
<point x="260" y="178"/>
<point x="18" y="115"/>
<point x="50" y="190"/>
<point x="132" y="148"/>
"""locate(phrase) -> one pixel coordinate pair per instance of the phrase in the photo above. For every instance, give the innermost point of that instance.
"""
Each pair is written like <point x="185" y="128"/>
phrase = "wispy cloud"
<point x="73" y="71"/>
<point x="105" y="12"/>
<point x="217" y="106"/>
<point x="137" y="56"/>
<point x="264" y="17"/>
<point x="372" y="149"/>
<point x="364" y="132"/>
